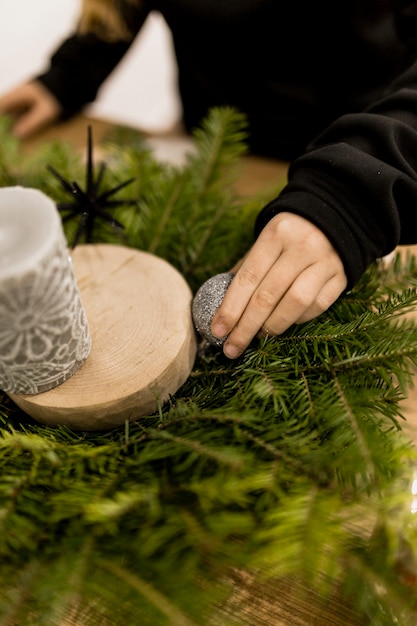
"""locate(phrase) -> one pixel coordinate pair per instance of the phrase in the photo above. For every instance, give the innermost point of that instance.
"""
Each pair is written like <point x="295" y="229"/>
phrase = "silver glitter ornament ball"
<point x="206" y="302"/>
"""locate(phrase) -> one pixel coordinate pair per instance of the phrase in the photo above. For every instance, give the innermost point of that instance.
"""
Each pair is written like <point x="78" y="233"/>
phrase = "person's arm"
<point x="357" y="187"/>
<point x="358" y="180"/>
<point x="77" y="70"/>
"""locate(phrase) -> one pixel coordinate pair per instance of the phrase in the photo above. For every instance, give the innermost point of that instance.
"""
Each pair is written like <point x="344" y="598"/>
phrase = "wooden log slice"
<point x="143" y="341"/>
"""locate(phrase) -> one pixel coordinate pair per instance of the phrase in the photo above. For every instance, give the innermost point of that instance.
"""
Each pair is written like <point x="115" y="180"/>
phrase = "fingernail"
<point x="231" y="351"/>
<point x="219" y="330"/>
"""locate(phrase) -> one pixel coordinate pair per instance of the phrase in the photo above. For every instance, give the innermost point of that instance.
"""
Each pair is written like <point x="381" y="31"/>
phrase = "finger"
<point x="288" y="308"/>
<point x="15" y="102"/>
<point x="30" y="122"/>
<point x="34" y="107"/>
<point x="270" y="291"/>
<point x="248" y="277"/>
<point x="37" y="117"/>
<point x="311" y="294"/>
<point x="325" y="298"/>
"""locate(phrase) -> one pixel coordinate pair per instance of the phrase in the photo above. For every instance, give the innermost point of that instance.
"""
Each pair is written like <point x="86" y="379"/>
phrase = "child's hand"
<point x="291" y="274"/>
<point x="32" y="106"/>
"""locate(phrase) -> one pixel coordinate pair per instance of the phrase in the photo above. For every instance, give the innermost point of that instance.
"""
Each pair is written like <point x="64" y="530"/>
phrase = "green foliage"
<point x="190" y="215"/>
<point x="291" y="461"/>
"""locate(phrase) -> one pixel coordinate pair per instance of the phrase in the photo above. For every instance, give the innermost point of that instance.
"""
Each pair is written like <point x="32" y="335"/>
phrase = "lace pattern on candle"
<point x="44" y="334"/>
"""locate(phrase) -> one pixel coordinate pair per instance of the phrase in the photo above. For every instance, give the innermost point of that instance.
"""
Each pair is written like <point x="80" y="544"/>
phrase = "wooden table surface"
<point x="288" y="603"/>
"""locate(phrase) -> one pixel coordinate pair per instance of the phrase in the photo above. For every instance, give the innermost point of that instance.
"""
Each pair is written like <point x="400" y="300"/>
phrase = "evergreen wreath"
<point x="290" y="462"/>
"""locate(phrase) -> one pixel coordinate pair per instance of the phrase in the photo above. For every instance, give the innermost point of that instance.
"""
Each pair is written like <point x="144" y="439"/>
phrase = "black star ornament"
<point x="91" y="205"/>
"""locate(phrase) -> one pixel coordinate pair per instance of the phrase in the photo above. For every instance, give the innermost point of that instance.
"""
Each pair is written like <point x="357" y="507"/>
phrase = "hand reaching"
<point x="291" y="274"/>
<point x="32" y="106"/>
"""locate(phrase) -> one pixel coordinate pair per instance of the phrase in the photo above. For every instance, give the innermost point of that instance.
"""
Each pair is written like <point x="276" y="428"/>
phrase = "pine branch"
<point x="219" y="141"/>
<point x="281" y="463"/>
<point x="152" y="595"/>
<point x="163" y="221"/>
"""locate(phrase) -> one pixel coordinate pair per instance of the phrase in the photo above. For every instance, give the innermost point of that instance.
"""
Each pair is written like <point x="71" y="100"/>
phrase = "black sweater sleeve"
<point x="82" y="63"/>
<point x="78" y="68"/>
<point x="358" y="180"/>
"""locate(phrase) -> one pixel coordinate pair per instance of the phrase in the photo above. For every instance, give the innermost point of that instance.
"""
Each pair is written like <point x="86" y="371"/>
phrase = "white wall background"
<point x="140" y="92"/>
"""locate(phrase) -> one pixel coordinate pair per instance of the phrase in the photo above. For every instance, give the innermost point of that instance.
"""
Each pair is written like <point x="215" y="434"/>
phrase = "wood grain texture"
<point x="143" y="341"/>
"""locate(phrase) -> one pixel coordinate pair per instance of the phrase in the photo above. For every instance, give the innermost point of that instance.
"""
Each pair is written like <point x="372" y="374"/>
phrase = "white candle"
<point x="44" y="334"/>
